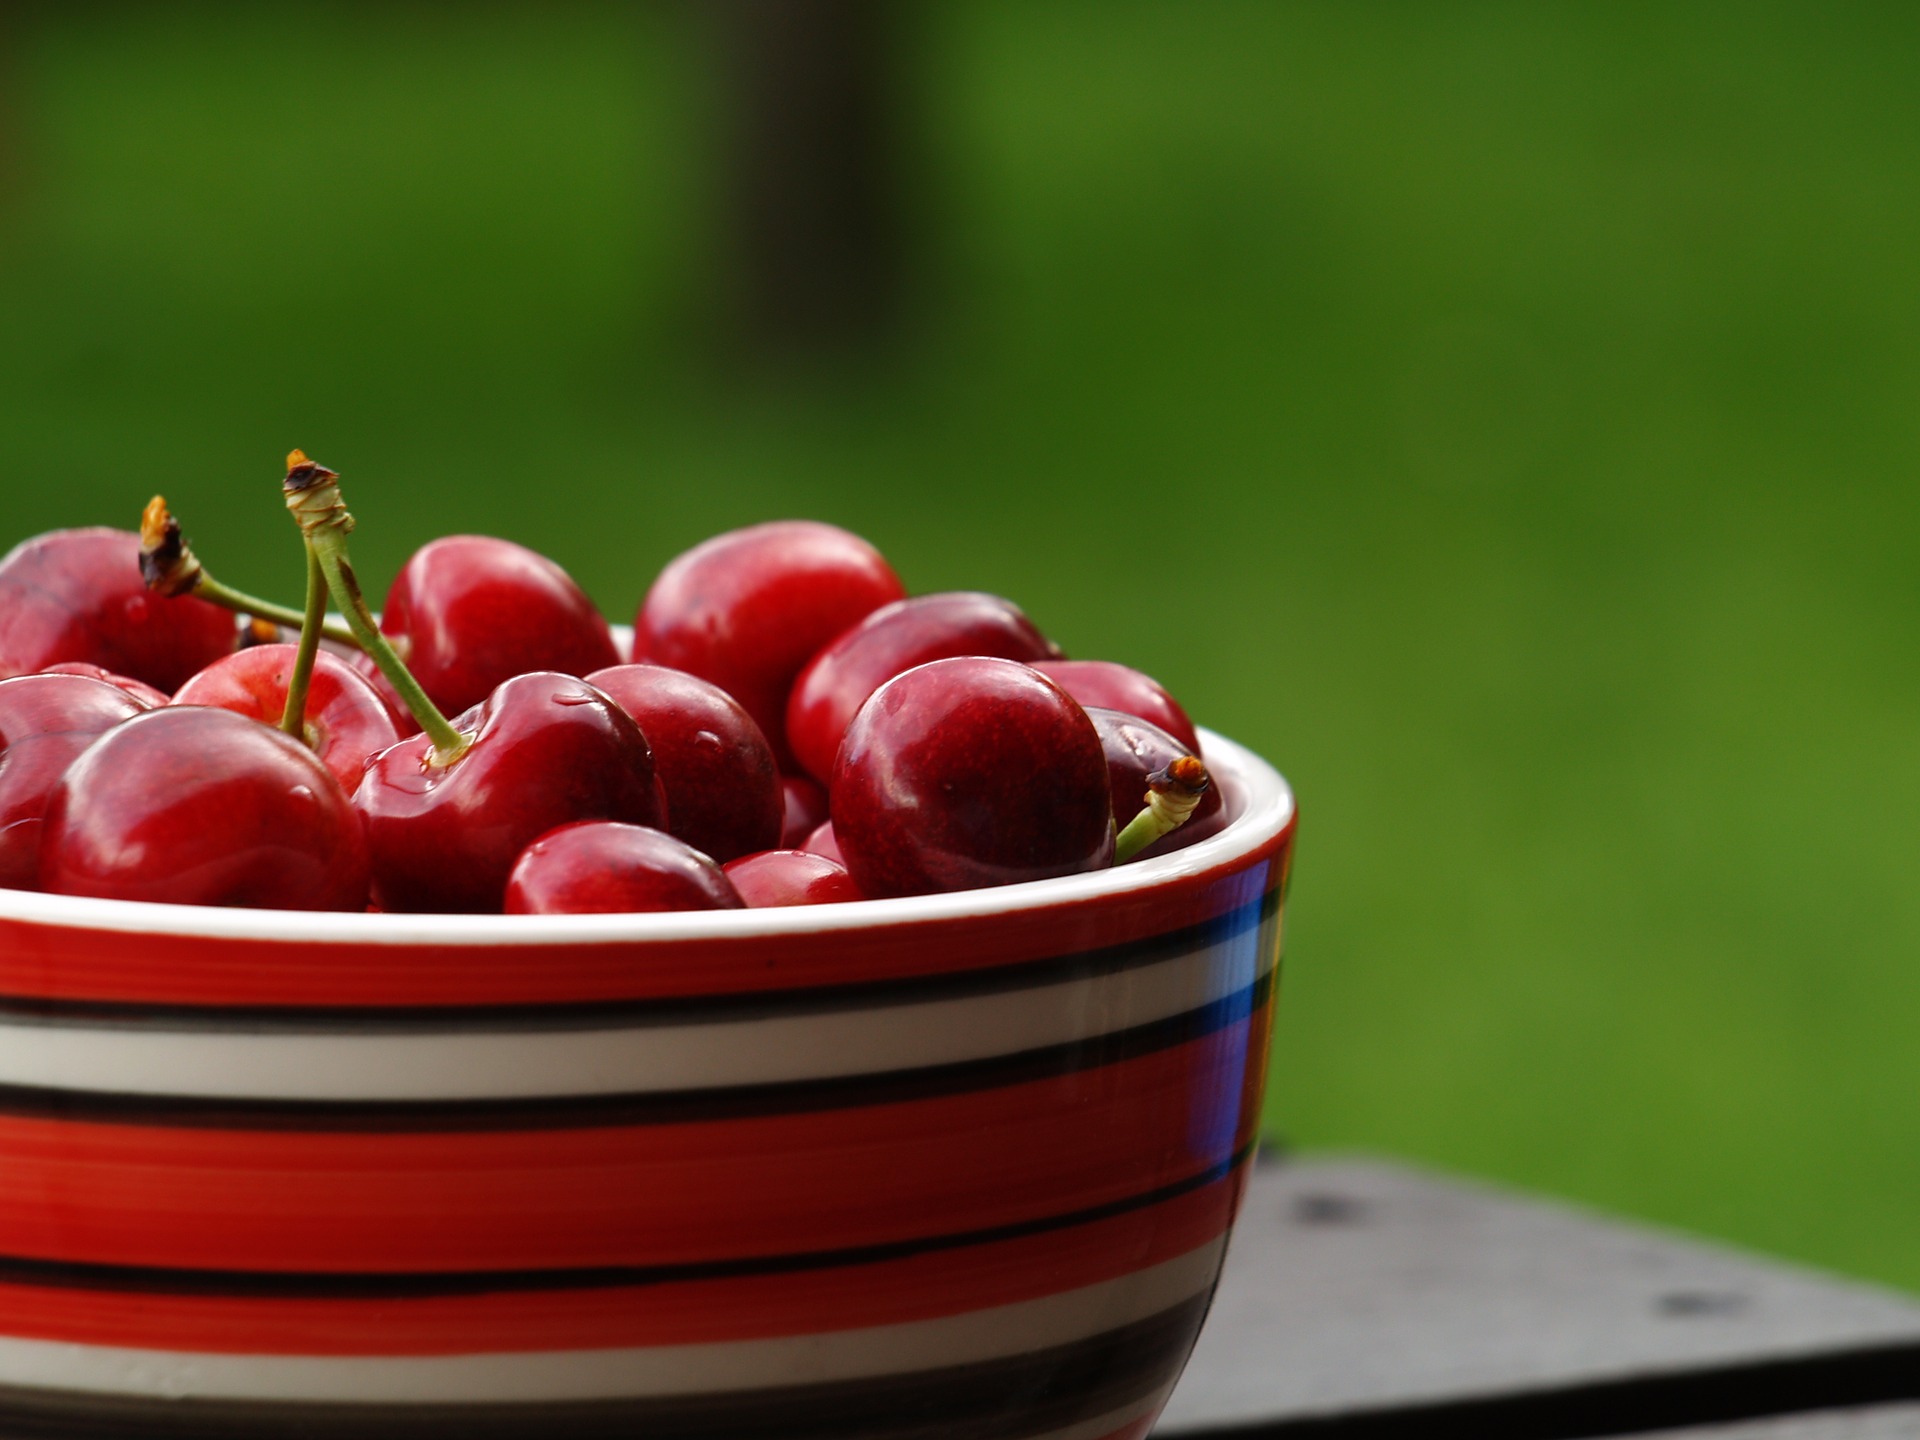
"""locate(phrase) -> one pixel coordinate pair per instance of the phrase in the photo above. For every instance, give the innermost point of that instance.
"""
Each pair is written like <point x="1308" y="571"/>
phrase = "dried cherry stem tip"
<point x="1172" y="796"/>
<point x="170" y="568"/>
<point x="313" y="496"/>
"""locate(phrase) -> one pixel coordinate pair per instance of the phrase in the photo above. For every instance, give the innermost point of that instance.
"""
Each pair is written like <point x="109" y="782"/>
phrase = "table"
<point x="1368" y="1300"/>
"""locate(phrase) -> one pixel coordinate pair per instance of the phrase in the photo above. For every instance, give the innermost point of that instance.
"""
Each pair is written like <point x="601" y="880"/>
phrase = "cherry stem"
<point x="313" y="495"/>
<point x="1172" y="796"/>
<point x="293" y="719"/>
<point x="170" y="568"/>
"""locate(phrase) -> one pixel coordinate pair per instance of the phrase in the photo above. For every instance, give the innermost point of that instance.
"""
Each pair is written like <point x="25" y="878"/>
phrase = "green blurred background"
<point x="1502" y="416"/>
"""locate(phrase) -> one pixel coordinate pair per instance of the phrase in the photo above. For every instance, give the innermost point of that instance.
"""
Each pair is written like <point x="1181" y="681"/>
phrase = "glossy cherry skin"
<point x="547" y="750"/>
<point x="78" y="595"/>
<point x="602" y="868"/>
<point x="966" y="773"/>
<point x="347" y="722"/>
<point x="1113" y="686"/>
<point x="149" y="698"/>
<point x="469" y="611"/>
<point x="45" y="722"/>
<point x="805" y="806"/>
<point x="908" y="633"/>
<point x="722" y="787"/>
<point x="749" y="608"/>
<point x="194" y="806"/>
<point x="821" y="842"/>
<point x="791" y="877"/>
<point x="1134" y="750"/>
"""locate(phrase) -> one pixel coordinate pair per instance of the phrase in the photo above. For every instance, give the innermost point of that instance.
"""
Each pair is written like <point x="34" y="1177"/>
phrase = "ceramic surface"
<point x="956" y="1166"/>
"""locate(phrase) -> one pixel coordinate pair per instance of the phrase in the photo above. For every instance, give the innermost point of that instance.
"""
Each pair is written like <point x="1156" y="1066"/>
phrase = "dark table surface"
<point x="1364" y="1298"/>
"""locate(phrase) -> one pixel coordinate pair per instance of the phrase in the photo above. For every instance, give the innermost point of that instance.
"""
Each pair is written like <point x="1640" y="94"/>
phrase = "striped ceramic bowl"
<point x="956" y="1166"/>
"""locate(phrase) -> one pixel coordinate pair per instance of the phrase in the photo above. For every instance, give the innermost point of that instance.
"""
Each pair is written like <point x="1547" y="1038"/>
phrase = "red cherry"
<point x="45" y="722"/>
<point x="468" y="612"/>
<point x="78" y="595"/>
<point x="547" y="749"/>
<point x="149" y="698"/>
<point x="722" y="787"/>
<point x="838" y="681"/>
<point x="1135" y="750"/>
<point x="748" y="609"/>
<point x="791" y="877"/>
<point x="1114" y="686"/>
<point x="970" y="772"/>
<point x="347" y="722"/>
<point x="806" y="809"/>
<point x="598" y="867"/>
<point x="821" y="842"/>
<point x="196" y="806"/>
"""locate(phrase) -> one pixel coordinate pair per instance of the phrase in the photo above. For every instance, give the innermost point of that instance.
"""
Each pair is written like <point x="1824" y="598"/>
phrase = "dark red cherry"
<point x="1113" y="686"/>
<point x="347" y="722"/>
<point x="791" y="877"/>
<point x="748" y="609"/>
<point x="821" y="842"/>
<point x="546" y="750"/>
<point x="45" y="722"/>
<point x="148" y="697"/>
<point x="722" y="787"/>
<point x="602" y="868"/>
<point x="970" y="772"/>
<point x="468" y="612"/>
<point x="805" y="804"/>
<point x="78" y="595"/>
<point x="1134" y="750"/>
<point x="195" y="806"/>
<point x="895" y="639"/>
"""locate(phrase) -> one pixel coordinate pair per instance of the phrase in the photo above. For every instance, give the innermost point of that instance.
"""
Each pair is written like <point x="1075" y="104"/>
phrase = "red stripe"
<point x="59" y="962"/>
<point x="695" y="1312"/>
<point x="632" y="1195"/>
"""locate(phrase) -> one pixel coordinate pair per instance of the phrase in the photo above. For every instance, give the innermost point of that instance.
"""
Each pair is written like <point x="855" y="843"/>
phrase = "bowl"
<point x="959" y="1165"/>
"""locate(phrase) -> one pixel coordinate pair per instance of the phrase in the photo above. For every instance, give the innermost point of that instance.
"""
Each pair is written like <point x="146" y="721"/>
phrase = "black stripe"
<point x="660" y="1011"/>
<point x="1009" y="1399"/>
<point x="287" y="1285"/>
<point x="660" y="1107"/>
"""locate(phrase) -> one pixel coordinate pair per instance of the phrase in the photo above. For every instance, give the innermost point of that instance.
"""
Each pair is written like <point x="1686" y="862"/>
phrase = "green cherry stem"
<point x="169" y="566"/>
<point x="1172" y="794"/>
<point x="293" y="719"/>
<point x="313" y="495"/>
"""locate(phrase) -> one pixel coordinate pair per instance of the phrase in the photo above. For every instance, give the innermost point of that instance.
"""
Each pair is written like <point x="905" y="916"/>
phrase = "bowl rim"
<point x="1263" y="798"/>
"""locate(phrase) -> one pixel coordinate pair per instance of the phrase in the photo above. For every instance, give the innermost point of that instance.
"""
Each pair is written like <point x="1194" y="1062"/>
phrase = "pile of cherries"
<point x="791" y="729"/>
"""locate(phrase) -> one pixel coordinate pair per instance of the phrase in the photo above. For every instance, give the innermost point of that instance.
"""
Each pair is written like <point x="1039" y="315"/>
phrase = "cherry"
<point x="1137" y="750"/>
<point x="542" y="750"/>
<point x="970" y="772"/>
<point x="148" y="697"/>
<point x="347" y="723"/>
<point x="821" y="842"/>
<point x="600" y="868"/>
<point x="368" y="669"/>
<point x="722" y="788"/>
<point x="449" y="810"/>
<point x="1114" y="686"/>
<point x="749" y="608"/>
<point x="77" y="595"/>
<point x="805" y="805"/>
<point x="45" y="722"/>
<point x="907" y="633"/>
<point x="469" y="611"/>
<point x="791" y="877"/>
<point x="197" y="806"/>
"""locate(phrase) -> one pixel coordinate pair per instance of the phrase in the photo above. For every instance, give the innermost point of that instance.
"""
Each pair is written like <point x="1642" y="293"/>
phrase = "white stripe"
<point x="1252" y="788"/>
<point x="522" y="1064"/>
<point x="998" y="1333"/>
